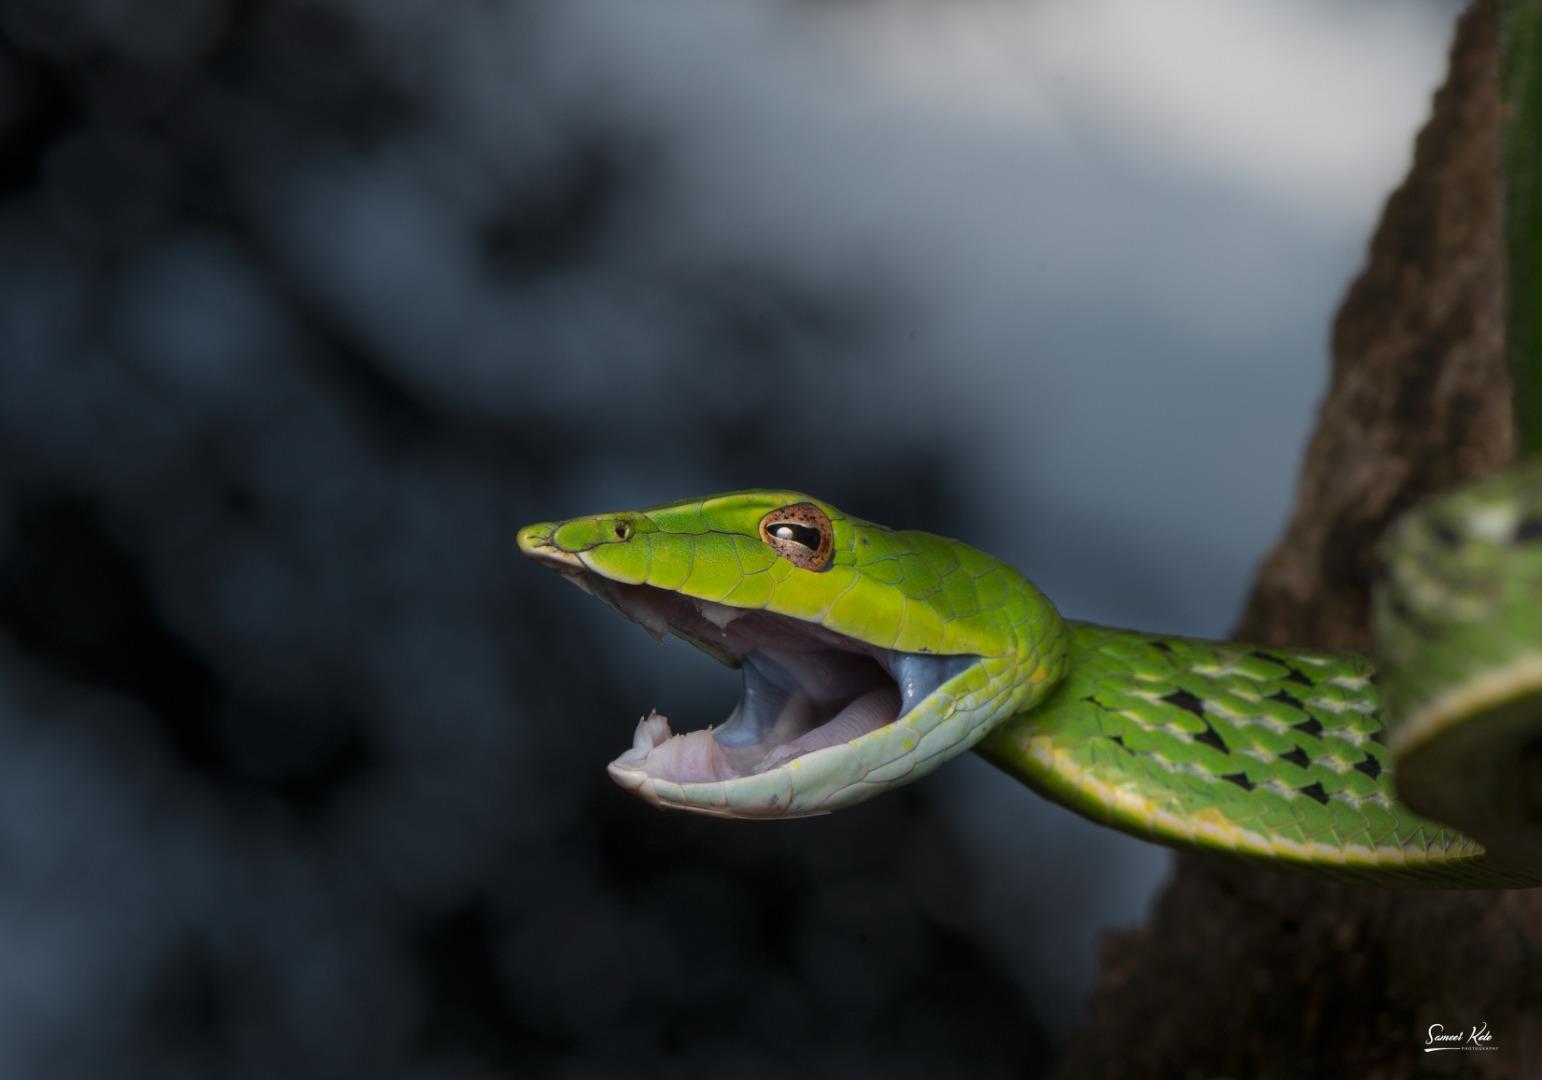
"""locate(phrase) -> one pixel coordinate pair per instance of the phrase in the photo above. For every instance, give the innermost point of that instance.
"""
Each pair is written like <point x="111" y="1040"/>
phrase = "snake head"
<point x="869" y="656"/>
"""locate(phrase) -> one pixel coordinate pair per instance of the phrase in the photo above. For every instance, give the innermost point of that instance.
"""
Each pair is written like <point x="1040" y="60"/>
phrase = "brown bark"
<point x="1258" y="973"/>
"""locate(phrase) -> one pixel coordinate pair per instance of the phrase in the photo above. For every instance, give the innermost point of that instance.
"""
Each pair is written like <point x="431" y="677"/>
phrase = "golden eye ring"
<point x="800" y="533"/>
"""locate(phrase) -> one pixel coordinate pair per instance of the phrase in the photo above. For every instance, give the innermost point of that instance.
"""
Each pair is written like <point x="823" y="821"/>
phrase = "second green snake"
<point x="871" y="656"/>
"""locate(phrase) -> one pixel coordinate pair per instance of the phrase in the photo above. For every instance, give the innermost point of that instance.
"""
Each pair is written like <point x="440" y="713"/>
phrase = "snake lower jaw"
<point x="739" y="749"/>
<point x="809" y="695"/>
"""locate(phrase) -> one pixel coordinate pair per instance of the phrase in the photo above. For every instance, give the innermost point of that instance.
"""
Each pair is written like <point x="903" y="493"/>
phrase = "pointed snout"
<point x="537" y="542"/>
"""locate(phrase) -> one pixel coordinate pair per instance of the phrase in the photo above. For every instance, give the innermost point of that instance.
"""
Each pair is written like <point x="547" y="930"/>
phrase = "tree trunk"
<point x="1256" y="973"/>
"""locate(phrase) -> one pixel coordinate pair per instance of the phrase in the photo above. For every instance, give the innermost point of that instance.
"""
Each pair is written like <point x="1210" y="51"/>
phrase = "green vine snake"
<point x="871" y="656"/>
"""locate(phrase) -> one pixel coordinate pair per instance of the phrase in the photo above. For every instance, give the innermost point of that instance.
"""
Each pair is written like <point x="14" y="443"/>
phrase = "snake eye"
<point x="798" y="534"/>
<point x="801" y="534"/>
<point x="623" y="530"/>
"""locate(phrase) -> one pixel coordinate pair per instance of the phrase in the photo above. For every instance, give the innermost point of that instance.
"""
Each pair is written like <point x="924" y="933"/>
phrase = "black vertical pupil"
<point x="798" y="534"/>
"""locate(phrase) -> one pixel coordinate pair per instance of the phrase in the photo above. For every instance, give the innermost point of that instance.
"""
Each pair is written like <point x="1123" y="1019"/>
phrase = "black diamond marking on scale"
<point x="1119" y="741"/>
<point x="1315" y="791"/>
<point x="1212" y="737"/>
<point x="1309" y="726"/>
<point x="1297" y="757"/>
<point x="1527" y="530"/>
<point x="1185" y="700"/>
<point x="1164" y="646"/>
<point x="1292" y="675"/>
<point x="1285" y="697"/>
<point x="1370" y="767"/>
<point x="1240" y="779"/>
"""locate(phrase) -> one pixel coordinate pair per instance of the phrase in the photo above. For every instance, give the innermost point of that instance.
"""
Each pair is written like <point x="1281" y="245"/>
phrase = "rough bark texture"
<point x="1247" y="972"/>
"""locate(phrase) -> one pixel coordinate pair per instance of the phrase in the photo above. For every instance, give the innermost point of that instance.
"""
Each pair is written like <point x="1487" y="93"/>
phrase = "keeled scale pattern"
<point x="1260" y="752"/>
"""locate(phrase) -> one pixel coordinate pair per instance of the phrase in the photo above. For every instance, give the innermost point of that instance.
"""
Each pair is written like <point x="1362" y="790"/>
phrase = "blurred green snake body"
<point x="871" y="656"/>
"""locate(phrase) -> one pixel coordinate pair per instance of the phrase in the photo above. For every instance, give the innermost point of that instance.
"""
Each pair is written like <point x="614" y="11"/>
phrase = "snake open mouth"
<point x="805" y="687"/>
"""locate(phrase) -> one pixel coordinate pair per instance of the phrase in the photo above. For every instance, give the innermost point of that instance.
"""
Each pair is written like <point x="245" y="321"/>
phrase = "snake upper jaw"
<point x="536" y="542"/>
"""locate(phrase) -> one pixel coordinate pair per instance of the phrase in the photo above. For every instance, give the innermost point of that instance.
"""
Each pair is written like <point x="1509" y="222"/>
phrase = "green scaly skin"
<point x="1279" y="755"/>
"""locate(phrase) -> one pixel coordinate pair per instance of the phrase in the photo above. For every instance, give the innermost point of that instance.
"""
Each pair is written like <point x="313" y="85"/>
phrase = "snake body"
<point x="872" y="656"/>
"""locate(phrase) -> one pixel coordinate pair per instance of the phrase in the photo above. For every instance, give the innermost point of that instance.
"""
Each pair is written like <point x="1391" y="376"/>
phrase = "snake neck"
<point x="1039" y="649"/>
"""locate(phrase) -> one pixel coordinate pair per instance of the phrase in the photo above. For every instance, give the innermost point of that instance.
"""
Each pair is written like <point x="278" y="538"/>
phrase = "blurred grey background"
<point x="306" y="305"/>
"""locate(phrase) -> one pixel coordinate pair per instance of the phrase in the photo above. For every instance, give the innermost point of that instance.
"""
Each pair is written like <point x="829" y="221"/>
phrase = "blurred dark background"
<point x="306" y="306"/>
